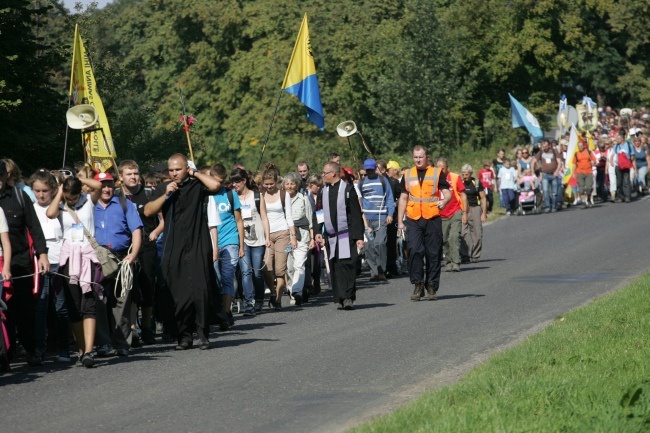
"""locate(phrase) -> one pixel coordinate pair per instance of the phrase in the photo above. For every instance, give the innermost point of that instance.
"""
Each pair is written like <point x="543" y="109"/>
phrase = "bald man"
<point x="187" y="264"/>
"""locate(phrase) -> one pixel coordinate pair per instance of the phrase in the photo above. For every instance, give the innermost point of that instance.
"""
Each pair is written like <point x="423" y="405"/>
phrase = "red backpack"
<point x="624" y="162"/>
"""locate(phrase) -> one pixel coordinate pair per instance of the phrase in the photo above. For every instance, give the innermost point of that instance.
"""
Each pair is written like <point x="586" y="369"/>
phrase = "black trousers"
<point x="146" y="278"/>
<point x="21" y="314"/>
<point x="391" y="247"/>
<point x="424" y="242"/>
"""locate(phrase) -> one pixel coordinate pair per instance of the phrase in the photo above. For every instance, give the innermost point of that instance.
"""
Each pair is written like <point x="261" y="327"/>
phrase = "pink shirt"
<point x="80" y="259"/>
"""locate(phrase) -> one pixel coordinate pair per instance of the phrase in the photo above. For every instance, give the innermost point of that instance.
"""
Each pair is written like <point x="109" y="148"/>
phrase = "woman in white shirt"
<point x="256" y="238"/>
<point x="302" y="215"/>
<point x="282" y="233"/>
<point x="80" y="296"/>
<point x="44" y="185"/>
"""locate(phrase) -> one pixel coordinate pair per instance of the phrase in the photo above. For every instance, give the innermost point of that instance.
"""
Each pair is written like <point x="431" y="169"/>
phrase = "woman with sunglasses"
<point x="525" y="161"/>
<point x="76" y="212"/>
<point x="256" y="240"/>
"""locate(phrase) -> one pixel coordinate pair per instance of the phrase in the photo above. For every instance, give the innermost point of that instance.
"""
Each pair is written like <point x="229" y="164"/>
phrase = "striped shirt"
<point x="376" y="198"/>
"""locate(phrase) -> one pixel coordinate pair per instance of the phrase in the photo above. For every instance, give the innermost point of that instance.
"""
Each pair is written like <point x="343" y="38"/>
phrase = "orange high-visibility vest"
<point x="453" y="181"/>
<point x="423" y="199"/>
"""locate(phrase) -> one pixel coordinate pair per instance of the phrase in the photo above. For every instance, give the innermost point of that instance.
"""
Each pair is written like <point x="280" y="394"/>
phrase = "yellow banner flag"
<point x="98" y="142"/>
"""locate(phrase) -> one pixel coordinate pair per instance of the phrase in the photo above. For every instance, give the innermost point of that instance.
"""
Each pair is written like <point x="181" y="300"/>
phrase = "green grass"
<point x="589" y="371"/>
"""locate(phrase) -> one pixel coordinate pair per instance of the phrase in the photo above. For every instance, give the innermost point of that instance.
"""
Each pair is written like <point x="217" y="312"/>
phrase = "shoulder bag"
<point x="109" y="261"/>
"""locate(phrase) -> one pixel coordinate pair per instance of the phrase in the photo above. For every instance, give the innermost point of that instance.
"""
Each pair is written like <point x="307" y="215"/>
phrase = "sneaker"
<point x="455" y="267"/>
<point x="298" y="299"/>
<point x="418" y="292"/>
<point x="348" y="304"/>
<point x="122" y="352"/>
<point x="508" y="213"/>
<point x="449" y="267"/>
<point x="259" y="306"/>
<point x="249" y="312"/>
<point x="88" y="360"/>
<point x="105" y="351"/>
<point x="553" y="210"/>
<point x="64" y="356"/>
<point x="231" y="319"/>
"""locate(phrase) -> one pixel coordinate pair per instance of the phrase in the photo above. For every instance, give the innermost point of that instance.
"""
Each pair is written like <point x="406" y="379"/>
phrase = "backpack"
<point x="381" y="180"/>
<point x="122" y="197"/>
<point x="257" y="197"/>
<point x="624" y="162"/>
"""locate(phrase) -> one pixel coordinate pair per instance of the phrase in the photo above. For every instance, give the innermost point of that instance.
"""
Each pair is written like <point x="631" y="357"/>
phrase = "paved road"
<point x="316" y="369"/>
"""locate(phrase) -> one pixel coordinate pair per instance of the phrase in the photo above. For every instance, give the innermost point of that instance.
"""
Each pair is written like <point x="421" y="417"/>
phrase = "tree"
<point x="30" y="106"/>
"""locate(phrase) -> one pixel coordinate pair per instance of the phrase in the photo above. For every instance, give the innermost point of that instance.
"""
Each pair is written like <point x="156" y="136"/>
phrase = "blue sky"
<point x="70" y="3"/>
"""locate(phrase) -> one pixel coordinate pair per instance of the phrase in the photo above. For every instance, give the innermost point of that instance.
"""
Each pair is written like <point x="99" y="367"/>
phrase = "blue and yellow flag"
<point x="301" y="79"/>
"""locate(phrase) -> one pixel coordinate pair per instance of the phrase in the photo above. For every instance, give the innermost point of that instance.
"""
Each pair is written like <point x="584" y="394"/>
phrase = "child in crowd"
<point x="506" y="178"/>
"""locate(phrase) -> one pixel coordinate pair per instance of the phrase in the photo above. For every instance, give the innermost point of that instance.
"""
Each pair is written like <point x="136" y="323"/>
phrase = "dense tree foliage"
<point x="31" y="121"/>
<point x="432" y="72"/>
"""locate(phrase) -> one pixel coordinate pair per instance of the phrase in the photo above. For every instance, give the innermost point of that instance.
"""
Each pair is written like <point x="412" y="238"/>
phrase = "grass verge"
<point x="589" y="371"/>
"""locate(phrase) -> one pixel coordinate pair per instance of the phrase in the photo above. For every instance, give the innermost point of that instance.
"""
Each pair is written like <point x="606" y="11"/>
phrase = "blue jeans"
<point x="508" y="195"/>
<point x="251" y="274"/>
<point x="225" y="268"/>
<point x="549" y="196"/>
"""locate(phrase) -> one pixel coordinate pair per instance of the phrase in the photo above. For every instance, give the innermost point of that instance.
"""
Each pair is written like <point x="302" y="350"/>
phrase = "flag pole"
<point x="74" y="52"/>
<point x="268" y="133"/>
<point x="186" y="126"/>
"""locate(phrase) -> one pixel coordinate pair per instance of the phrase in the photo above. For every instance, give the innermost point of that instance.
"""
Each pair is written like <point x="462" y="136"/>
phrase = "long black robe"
<point x="343" y="271"/>
<point x="187" y="256"/>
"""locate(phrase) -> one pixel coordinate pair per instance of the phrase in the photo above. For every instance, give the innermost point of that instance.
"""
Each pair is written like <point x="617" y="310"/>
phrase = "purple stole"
<point x="342" y="236"/>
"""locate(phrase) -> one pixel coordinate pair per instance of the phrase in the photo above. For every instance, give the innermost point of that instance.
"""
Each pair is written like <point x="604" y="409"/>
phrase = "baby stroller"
<point x="530" y="199"/>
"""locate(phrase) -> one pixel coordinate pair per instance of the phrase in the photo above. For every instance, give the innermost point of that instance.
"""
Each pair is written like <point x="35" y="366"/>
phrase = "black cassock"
<point x="343" y="271"/>
<point x="187" y="256"/>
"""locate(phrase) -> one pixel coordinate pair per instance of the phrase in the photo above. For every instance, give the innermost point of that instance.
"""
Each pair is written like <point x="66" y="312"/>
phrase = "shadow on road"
<point x="445" y="297"/>
<point x="491" y="260"/>
<point x="473" y="268"/>
<point x="239" y="342"/>
<point x="250" y="326"/>
<point x="370" y="306"/>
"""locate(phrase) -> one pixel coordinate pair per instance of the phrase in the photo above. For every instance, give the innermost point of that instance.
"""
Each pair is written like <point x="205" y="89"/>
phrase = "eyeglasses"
<point x="66" y="173"/>
<point x="326" y="172"/>
<point x="236" y="181"/>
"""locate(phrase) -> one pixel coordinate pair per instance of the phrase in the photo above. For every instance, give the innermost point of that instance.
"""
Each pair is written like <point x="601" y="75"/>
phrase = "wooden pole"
<point x="268" y="133"/>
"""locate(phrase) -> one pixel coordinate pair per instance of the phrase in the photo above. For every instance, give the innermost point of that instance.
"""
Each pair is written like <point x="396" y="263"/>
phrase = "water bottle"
<point x="369" y="234"/>
<point x="288" y="249"/>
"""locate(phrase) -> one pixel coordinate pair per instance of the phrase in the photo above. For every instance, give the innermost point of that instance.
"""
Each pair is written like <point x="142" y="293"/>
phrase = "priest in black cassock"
<point x="187" y="264"/>
<point x="338" y="216"/>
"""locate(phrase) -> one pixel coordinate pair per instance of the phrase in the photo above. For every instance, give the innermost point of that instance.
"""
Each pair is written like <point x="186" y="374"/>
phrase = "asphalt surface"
<point x="317" y="369"/>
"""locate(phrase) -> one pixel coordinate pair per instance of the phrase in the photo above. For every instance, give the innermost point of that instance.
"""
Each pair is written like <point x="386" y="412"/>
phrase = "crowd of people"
<point x="610" y="164"/>
<point x="192" y="247"/>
